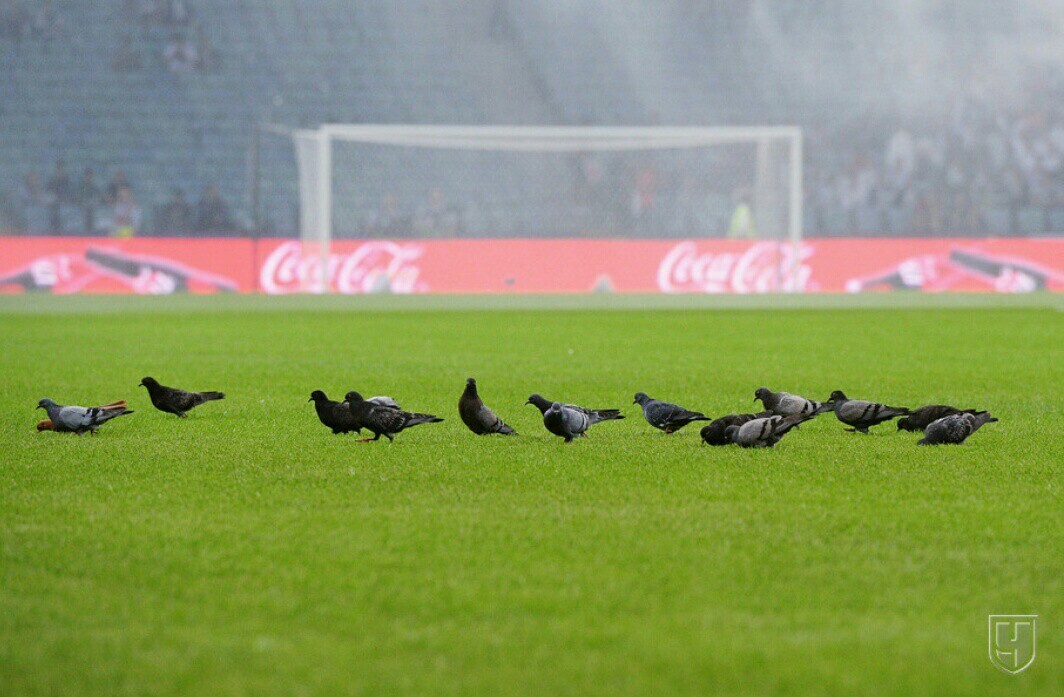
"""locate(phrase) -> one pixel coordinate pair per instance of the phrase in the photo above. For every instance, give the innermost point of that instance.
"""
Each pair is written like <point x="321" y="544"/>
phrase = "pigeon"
<point x="383" y="420"/>
<point x="478" y="417"/>
<point x="80" y="419"/>
<point x="764" y="432"/>
<point x="595" y="415"/>
<point x="786" y="404"/>
<point x="383" y="401"/>
<point x="175" y="401"/>
<point x="334" y="414"/>
<point x="862" y="415"/>
<point x="714" y="433"/>
<point x="665" y="416"/>
<point x="921" y="418"/>
<point x="565" y="422"/>
<point x="954" y="429"/>
<point x="47" y="425"/>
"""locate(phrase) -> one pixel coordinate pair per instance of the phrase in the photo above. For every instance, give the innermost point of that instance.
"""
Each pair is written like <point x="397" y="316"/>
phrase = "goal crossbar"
<point x="314" y="156"/>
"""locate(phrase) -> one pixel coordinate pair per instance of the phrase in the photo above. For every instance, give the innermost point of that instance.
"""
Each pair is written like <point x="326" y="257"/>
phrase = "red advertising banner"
<point x="150" y="266"/>
<point x="173" y="265"/>
<point x="674" y="266"/>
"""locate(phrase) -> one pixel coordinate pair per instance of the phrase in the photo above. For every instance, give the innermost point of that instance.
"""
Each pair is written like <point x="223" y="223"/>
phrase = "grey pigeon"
<point x="565" y="422"/>
<point x="764" y="432"/>
<point x="861" y="414"/>
<point x="786" y="404"/>
<point x="383" y="401"/>
<point x="714" y="433"/>
<point x="383" y="420"/>
<point x="664" y="416"/>
<point x="954" y="429"/>
<point x="81" y="419"/>
<point x="594" y="415"/>
<point x="921" y="418"/>
<point x="478" y="417"/>
<point x="175" y="401"/>
<point x="334" y="415"/>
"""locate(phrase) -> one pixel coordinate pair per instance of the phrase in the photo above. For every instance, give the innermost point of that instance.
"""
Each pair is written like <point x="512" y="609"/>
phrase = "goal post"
<point x="519" y="181"/>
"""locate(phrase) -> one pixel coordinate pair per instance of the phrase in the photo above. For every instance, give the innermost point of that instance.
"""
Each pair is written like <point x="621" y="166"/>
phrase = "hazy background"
<point x="921" y="117"/>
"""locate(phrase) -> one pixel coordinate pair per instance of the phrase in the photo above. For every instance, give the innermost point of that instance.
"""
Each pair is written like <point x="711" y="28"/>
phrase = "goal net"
<point x="394" y="182"/>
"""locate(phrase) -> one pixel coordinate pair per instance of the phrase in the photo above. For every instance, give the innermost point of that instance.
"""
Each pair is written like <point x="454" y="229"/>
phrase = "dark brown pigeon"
<point x="175" y="401"/>
<point x="921" y="418"/>
<point x="334" y="415"/>
<point x="382" y="420"/>
<point x="478" y="417"/>
<point x="861" y="414"/>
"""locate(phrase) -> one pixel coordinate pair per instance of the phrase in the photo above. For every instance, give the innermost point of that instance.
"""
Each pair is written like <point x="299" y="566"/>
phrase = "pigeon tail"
<point x="600" y="415"/>
<point x="418" y="419"/>
<point x="112" y="412"/>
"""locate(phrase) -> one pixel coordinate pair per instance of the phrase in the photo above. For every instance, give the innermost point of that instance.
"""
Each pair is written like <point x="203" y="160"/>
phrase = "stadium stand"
<point x="169" y="91"/>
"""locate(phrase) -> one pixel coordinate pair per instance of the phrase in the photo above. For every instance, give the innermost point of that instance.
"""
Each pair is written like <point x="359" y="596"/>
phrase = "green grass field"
<point x="246" y="550"/>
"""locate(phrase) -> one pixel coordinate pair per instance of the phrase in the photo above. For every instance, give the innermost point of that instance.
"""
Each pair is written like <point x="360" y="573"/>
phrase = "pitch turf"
<point x="246" y="550"/>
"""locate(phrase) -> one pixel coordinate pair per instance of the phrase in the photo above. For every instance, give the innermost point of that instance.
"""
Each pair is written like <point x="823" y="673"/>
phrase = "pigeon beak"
<point x="527" y="402"/>
<point x="39" y="407"/>
<point x="311" y="399"/>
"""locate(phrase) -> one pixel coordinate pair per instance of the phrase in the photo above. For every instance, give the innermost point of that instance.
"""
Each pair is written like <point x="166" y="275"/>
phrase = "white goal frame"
<point x="314" y="148"/>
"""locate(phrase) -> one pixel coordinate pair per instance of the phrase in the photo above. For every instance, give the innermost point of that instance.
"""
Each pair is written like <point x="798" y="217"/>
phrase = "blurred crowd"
<point x="82" y="205"/>
<point x="985" y="168"/>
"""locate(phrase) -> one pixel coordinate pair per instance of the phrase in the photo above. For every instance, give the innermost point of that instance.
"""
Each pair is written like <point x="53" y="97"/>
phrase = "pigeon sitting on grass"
<point x="595" y="415"/>
<point x="714" y="433"/>
<point x="954" y="429"/>
<point x="664" y="416"/>
<point x="786" y="404"/>
<point x="383" y="420"/>
<point x="921" y="418"/>
<point x="81" y="419"/>
<point x="565" y="422"/>
<point x="333" y="414"/>
<point x="764" y="432"/>
<point x="175" y="401"/>
<point x="477" y="416"/>
<point x="861" y="414"/>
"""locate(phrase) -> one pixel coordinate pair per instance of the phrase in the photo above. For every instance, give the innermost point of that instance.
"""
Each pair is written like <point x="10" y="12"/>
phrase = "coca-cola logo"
<point x="372" y="266"/>
<point x="761" y="268"/>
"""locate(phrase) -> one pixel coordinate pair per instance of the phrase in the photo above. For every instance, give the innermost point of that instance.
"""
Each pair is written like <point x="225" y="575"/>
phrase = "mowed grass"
<point x="247" y="550"/>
